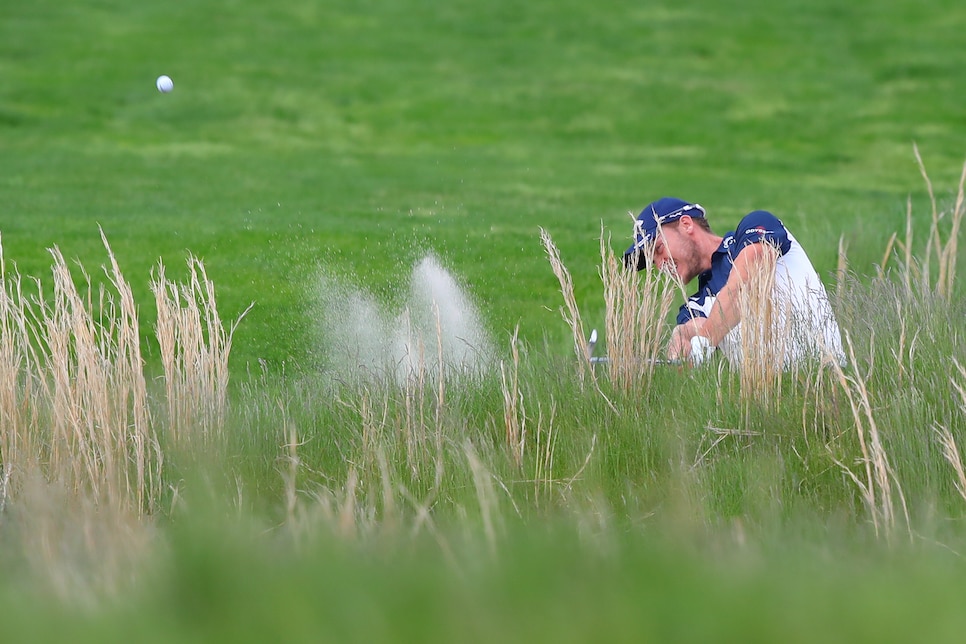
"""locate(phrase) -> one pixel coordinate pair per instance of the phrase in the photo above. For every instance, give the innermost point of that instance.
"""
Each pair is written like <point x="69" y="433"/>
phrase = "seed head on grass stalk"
<point x="945" y="251"/>
<point x="423" y="406"/>
<point x="128" y="380"/>
<point x="918" y="272"/>
<point x="948" y="443"/>
<point x="951" y="454"/>
<point x="514" y="413"/>
<point x="766" y="331"/>
<point x="21" y="383"/>
<point x="571" y="313"/>
<point x="879" y="483"/>
<point x="637" y="304"/>
<point x="81" y="463"/>
<point x="99" y="400"/>
<point x="546" y="440"/>
<point x="486" y="496"/>
<point x="194" y="347"/>
<point x="75" y="403"/>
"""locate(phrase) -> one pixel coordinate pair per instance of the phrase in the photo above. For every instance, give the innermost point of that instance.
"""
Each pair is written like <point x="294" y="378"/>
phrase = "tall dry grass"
<point x="410" y="459"/>
<point x="80" y="434"/>
<point x="637" y="305"/>
<point x="920" y="283"/>
<point x="75" y="401"/>
<point x="877" y="481"/>
<point x="766" y="332"/>
<point x="514" y="412"/>
<point x="194" y="347"/>
<point x="917" y="273"/>
<point x="948" y="442"/>
<point x="570" y="312"/>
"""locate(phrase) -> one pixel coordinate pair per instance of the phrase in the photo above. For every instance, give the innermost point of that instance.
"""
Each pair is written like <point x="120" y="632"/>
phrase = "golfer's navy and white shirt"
<point x="806" y="315"/>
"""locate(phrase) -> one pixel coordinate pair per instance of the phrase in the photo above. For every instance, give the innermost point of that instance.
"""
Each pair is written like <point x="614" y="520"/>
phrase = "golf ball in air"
<point x="165" y="84"/>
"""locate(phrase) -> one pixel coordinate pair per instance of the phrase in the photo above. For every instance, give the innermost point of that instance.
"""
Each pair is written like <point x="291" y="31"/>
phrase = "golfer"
<point x="674" y="236"/>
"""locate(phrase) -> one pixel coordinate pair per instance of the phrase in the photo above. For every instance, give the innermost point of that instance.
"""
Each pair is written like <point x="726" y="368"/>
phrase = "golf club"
<point x="595" y="360"/>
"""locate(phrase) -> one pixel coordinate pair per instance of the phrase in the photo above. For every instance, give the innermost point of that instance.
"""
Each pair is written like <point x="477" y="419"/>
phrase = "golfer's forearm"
<point x="726" y="313"/>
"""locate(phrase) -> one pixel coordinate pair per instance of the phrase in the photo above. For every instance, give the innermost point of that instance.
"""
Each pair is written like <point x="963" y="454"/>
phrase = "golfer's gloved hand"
<point x="701" y="350"/>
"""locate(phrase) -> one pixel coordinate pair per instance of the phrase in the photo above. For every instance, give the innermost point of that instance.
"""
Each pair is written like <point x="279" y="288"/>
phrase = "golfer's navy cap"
<point x="656" y="214"/>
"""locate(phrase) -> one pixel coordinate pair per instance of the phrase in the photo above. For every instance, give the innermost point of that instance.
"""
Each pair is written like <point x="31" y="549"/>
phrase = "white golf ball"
<point x="165" y="84"/>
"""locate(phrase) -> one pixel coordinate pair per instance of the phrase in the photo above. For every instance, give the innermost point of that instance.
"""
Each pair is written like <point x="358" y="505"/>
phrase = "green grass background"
<point x="362" y="135"/>
<point x="355" y="137"/>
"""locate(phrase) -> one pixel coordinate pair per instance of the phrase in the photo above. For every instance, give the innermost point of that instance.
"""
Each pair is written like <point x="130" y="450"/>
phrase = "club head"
<point x="595" y="360"/>
<point x="653" y="361"/>
<point x="591" y="343"/>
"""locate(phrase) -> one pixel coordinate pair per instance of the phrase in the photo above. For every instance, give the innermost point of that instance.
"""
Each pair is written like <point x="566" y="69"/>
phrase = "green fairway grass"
<point x="310" y="144"/>
<point x="362" y="135"/>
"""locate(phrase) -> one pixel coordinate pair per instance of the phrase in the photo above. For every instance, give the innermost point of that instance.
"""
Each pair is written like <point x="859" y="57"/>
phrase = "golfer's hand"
<point x="679" y="347"/>
<point x="701" y="350"/>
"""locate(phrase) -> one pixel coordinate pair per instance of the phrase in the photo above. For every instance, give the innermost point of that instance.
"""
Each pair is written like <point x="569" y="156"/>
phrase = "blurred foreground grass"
<point x="220" y="582"/>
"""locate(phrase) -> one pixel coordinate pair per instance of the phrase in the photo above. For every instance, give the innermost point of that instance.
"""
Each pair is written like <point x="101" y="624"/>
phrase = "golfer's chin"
<point x="682" y="279"/>
<point x="671" y="270"/>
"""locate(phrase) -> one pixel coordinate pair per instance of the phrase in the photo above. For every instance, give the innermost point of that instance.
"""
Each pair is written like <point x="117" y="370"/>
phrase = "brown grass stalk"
<point x="21" y="369"/>
<point x="637" y="305"/>
<point x="841" y="271"/>
<point x="546" y="440"/>
<point x="440" y="384"/>
<point x="486" y="496"/>
<point x="423" y="440"/>
<point x="81" y="459"/>
<point x="951" y="454"/>
<point x="950" y="250"/>
<point x="414" y="404"/>
<point x="99" y="413"/>
<point x="944" y="250"/>
<point x="514" y="414"/>
<point x="194" y="347"/>
<point x="879" y="484"/>
<point x="74" y="400"/>
<point x="766" y="332"/>
<point x="128" y="381"/>
<point x="571" y="313"/>
<point x="934" y="241"/>
<point x="950" y="449"/>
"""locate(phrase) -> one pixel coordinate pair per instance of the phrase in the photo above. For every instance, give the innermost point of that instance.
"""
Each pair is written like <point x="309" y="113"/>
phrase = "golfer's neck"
<point x="709" y="244"/>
